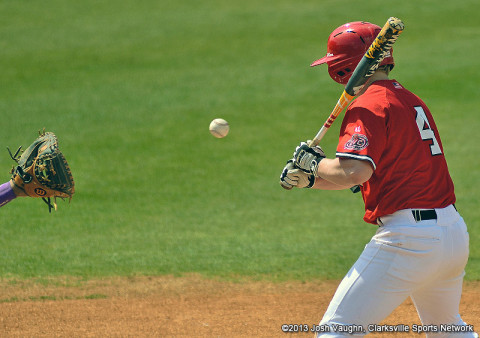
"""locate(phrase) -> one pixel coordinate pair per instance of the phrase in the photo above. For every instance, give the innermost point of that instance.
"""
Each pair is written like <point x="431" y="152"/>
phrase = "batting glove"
<point x="286" y="183"/>
<point x="307" y="158"/>
<point x="293" y="177"/>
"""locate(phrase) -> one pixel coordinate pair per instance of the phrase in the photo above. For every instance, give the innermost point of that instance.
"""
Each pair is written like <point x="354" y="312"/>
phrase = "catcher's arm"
<point x="8" y="192"/>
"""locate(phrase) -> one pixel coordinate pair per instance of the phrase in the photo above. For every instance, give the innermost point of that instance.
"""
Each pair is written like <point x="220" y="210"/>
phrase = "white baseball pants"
<point x="423" y="260"/>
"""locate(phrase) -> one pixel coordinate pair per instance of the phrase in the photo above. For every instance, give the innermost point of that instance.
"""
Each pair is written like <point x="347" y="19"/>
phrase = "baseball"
<point x="219" y="128"/>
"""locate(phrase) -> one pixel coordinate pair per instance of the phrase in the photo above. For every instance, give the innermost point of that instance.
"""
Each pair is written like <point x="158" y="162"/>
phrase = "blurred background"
<point x="130" y="88"/>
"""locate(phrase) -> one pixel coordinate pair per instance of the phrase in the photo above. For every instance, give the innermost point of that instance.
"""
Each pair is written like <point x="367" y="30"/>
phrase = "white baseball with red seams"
<point x="219" y="128"/>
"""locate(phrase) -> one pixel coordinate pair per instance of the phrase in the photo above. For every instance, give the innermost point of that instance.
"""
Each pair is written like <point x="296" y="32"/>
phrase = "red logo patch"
<point x="357" y="142"/>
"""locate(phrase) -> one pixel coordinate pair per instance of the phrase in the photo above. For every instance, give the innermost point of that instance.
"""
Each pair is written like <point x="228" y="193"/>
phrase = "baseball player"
<point x="390" y="148"/>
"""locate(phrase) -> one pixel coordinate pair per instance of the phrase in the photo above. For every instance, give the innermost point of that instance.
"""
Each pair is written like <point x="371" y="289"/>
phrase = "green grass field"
<point x="130" y="88"/>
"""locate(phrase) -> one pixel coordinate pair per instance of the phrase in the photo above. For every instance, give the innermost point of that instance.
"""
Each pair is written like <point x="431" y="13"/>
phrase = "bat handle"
<point x="344" y="100"/>
<point x="316" y="140"/>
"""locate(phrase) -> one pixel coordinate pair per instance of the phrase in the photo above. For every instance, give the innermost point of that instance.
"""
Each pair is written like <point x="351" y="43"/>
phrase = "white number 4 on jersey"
<point x="426" y="132"/>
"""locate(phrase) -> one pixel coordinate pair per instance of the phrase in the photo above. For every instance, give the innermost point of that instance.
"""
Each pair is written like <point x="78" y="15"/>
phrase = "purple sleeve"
<point x="6" y="194"/>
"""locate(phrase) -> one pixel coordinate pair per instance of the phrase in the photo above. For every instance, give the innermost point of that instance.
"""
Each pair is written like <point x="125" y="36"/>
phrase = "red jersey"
<point x="394" y="130"/>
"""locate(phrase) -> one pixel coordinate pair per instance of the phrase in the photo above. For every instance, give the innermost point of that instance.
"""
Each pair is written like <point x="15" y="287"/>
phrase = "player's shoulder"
<point x="397" y="94"/>
<point x="382" y="87"/>
<point x="375" y="98"/>
<point x="381" y="94"/>
<point x="390" y="89"/>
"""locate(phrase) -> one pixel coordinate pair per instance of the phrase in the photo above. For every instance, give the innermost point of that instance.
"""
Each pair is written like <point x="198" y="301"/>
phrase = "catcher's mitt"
<point x="43" y="171"/>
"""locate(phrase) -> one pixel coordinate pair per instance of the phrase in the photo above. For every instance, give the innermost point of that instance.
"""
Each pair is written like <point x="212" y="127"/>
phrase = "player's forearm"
<point x="323" y="184"/>
<point x="6" y="193"/>
<point x="344" y="172"/>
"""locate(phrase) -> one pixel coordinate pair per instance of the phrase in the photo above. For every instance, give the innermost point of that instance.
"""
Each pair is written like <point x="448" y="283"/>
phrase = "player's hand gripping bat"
<point x="365" y="68"/>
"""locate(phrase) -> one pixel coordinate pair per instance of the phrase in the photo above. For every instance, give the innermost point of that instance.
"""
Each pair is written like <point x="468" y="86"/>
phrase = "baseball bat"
<point x="365" y="68"/>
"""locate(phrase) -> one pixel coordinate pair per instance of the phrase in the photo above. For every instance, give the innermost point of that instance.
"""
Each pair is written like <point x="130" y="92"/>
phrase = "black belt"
<point x="424" y="215"/>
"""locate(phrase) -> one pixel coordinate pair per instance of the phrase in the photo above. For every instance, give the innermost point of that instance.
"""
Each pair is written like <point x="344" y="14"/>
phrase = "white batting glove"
<point x="307" y="158"/>
<point x="286" y="183"/>
<point x="293" y="177"/>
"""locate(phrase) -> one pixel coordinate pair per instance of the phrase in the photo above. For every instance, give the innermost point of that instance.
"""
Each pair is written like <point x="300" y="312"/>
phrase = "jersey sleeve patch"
<point x="357" y="142"/>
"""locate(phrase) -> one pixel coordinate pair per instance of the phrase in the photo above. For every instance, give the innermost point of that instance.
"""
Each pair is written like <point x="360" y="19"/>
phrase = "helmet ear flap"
<point x="342" y="70"/>
<point x="341" y="73"/>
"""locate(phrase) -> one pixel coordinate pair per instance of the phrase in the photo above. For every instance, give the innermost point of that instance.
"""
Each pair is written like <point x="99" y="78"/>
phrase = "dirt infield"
<point x="169" y="306"/>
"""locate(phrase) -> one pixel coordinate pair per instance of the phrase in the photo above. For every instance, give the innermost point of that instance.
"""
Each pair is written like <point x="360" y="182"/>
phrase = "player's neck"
<point x="379" y="75"/>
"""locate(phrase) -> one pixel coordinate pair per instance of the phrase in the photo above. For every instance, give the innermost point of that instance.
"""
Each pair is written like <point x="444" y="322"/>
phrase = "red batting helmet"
<point x="346" y="46"/>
